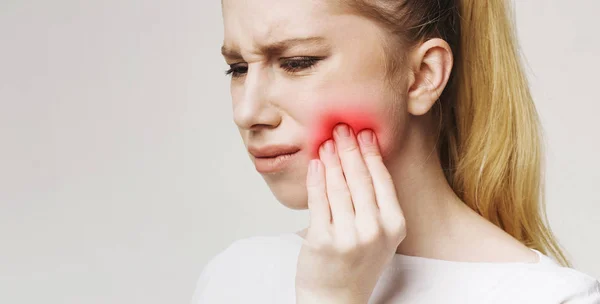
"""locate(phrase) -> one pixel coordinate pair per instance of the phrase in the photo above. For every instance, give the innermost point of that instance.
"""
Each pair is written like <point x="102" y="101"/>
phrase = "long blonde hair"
<point x="490" y="142"/>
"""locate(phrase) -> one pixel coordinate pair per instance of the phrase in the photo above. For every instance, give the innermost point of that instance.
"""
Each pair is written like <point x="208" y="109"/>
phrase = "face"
<point x="298" y="68"/>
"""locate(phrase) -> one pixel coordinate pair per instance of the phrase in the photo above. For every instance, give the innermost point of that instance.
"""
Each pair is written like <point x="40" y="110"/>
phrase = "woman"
<point x="407" y="129"/>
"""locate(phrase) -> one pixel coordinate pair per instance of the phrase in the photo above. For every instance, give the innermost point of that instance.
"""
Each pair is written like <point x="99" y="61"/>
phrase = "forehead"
<point x="261" y="22"/>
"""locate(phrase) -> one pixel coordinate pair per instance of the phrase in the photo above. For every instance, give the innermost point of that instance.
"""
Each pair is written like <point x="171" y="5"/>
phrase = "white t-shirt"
<point x="262" y="270"/>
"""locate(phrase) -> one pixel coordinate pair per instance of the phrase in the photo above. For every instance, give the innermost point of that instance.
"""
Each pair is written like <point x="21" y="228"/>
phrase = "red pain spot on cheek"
<point x="325" y="122"/>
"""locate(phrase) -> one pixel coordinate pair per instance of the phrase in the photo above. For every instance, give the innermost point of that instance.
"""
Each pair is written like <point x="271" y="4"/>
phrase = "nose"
<point x="255" y="106"/>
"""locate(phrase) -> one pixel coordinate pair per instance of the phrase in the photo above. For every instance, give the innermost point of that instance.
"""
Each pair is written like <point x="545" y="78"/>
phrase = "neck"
<point x="434" y="213"/>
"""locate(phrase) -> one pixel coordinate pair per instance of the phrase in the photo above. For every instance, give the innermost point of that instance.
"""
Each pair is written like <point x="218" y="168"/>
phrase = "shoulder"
<point x="549" y="282"/>
<point x="250" y="266"/>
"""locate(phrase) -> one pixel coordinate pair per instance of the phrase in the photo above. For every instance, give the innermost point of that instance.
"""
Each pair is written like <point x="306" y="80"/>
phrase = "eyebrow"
<point x="274" y="48"/>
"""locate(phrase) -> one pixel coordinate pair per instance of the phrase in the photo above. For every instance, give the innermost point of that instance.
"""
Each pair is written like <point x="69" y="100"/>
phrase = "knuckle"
<point x="364" y="178"/>
<point x="371" y="153"/>
<point x="346" y="246"/>
<point x="371" y="233"/>
<point x="320" y="239"/>
<point x="397" y="229"/>
<point x="322" y="244"/>
<point x="350" y="148"/>
<point x="340" y="191"/>
<point x="345" y="242"/>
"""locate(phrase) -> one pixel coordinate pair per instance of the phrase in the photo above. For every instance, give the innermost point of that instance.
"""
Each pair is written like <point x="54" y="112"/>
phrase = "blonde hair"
<point x="490" y="143"/>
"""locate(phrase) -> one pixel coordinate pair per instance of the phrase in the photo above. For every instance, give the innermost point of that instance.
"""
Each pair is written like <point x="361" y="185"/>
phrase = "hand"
<point x="356" y="222"/>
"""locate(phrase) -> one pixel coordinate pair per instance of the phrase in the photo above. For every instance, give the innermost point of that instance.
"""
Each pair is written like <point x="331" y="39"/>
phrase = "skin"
<point x="366" y="201"/>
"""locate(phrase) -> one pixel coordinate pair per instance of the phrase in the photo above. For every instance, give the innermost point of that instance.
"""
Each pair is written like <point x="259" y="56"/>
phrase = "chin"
<point x="290" y="191"/>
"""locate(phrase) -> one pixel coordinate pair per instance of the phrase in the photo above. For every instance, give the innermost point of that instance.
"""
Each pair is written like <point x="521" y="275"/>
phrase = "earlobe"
<point x="431" y="63"/>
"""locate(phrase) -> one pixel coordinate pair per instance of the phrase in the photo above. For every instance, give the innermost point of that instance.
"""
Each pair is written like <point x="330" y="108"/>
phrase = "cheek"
<point x="358" y="118"/>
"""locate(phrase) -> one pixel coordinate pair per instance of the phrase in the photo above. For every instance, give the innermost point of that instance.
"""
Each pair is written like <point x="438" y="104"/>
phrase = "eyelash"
<point x="300" y="64"/>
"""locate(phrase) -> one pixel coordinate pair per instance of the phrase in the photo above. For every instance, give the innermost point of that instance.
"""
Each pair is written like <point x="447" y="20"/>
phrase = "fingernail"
<point x="329" y="147"/>
<point x="366" y="137"/>
<point x="343" y="131"/>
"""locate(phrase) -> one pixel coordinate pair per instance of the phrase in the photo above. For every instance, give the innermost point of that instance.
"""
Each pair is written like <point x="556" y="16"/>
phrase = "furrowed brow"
<point x="274" y="48"/>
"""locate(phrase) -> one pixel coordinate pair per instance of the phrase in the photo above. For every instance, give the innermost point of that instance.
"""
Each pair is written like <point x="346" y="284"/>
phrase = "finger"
<point x="338" y="195"/>
<point x="383" y="184"/>
<point x="356" y="172"/>
<point x="320" y="215"/>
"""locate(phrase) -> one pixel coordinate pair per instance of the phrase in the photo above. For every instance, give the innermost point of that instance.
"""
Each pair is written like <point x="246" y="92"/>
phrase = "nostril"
<point x="258" y="127"/>
<point x="257" y="118"/>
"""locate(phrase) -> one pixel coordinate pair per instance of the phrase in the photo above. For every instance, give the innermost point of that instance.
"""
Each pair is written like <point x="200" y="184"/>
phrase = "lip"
<point x="274" y="158"/>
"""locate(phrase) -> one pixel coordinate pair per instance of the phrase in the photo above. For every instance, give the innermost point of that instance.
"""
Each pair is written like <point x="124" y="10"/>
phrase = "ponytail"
<point x="497" y="142"/>
<point x="495" y="150"/>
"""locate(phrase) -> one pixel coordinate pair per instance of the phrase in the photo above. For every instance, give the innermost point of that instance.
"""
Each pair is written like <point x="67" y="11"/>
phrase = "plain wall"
<point x="122" y="172"/>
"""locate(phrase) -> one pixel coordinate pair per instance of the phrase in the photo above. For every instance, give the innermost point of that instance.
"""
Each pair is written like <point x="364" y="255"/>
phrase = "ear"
<point x="431" y="64"/>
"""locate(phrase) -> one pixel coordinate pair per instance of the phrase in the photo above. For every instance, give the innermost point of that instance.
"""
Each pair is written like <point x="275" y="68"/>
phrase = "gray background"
<point x="122" y="173"/>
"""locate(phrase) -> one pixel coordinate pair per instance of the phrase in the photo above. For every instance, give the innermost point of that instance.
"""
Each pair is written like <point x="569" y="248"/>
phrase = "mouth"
<point x="271" y="159"/>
